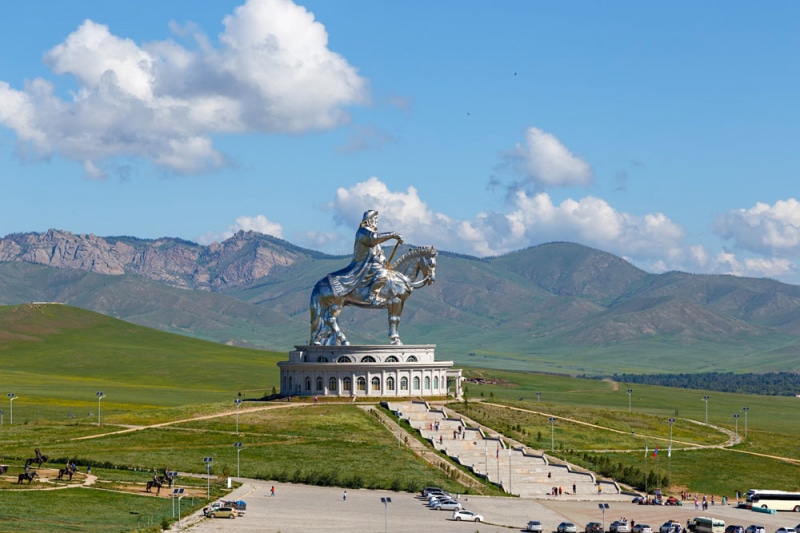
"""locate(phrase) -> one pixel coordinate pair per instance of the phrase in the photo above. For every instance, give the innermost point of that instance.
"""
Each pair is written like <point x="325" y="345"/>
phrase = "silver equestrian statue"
<point x="369" y="281"/>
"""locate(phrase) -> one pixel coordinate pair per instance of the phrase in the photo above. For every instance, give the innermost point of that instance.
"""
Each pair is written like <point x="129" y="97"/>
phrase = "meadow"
<point x="169" y="402"/>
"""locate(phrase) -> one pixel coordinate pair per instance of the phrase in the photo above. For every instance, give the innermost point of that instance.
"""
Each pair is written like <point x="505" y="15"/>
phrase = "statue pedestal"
<point x="379" y="371"/>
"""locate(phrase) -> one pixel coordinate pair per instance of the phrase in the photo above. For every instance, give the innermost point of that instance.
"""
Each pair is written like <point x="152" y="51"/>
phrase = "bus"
<point x="704" y="524"/>
<point x="780" y="500"/>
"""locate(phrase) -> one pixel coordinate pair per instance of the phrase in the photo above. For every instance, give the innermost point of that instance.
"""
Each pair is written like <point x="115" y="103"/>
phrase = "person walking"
<point x="272" y="491"/>
<point x="344" y="496"/>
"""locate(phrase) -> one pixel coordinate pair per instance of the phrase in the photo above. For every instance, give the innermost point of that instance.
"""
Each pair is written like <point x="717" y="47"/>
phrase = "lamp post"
<point x="100" y="396"/>
<point x="237" y="402"/>
<point x="629" y="392"/>
<point x="552" y="434"/>
<point x="179" y="493"/>
<point x="238" y="446"/>
<point x="669" y="450"/>
<point x="208" y="461"/>
<point x="386" y="501"/>
<point x="2" y="414"/>
<point x="736" y="418"/>
<point x="705" y="399"/>
<point x="11" y="398"/>
<point x="745" y="409"/>
<point x="603" y="507"/>
<point x="538" y="397"/>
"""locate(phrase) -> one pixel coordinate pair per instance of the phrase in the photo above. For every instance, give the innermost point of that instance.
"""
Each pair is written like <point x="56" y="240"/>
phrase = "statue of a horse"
<point x="27" y="476"/>
<point x="68" y="471"/>
<point x="413" y="270"/>
<point x="39" y="459"/>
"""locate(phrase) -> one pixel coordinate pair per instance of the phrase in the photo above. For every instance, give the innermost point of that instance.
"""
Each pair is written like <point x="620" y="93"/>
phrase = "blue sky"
<point x="666" y="133"/>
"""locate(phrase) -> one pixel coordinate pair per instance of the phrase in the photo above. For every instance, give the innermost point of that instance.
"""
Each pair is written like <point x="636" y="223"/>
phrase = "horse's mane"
<point x="413" y="254"/>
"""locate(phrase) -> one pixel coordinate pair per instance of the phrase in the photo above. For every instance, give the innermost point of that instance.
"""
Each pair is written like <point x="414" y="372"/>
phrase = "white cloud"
<point x="272" y="72"/>
<point x="258" y="223"/>
<point x="764" y="229"/>
<point x="544" y="161"/>
<point x="531" y="220"/>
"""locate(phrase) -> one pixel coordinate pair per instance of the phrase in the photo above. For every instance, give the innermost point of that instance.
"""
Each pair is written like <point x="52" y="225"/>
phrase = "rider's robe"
<point x="368" y="264"/>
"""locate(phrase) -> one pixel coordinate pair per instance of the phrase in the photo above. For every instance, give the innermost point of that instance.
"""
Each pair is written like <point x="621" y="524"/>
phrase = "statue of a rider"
<point x="368" y="267"/>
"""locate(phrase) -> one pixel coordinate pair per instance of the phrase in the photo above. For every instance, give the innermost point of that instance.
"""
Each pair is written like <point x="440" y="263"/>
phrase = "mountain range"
<point x="558" y="307"/>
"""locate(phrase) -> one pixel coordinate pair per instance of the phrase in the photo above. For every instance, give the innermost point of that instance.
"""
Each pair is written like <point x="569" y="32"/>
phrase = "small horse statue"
<point x="39" y="459"/>
<point x="68" y="470"/>
<point x="415" y="269"/>
<point x="27" y="476"/>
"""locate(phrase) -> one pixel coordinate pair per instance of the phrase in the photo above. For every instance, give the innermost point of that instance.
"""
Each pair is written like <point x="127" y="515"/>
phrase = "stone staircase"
<point x="516" y="469"/>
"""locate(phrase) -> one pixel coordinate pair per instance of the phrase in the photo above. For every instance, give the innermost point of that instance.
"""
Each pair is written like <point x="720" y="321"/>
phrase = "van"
<point x="704" y="524"/>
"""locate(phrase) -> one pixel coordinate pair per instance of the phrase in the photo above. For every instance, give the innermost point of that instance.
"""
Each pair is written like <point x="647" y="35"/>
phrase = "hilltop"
<point x="557" y="307"/>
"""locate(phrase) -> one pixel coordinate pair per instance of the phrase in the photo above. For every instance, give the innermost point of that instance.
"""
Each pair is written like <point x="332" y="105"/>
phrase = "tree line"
<point x="769" y="384"/>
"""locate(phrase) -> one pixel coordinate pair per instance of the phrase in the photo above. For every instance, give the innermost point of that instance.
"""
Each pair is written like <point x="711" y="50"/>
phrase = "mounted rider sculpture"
<point x="369" y="281"/>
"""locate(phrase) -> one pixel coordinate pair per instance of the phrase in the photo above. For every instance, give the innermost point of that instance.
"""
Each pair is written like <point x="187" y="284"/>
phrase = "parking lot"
<point x="296" y="508"/>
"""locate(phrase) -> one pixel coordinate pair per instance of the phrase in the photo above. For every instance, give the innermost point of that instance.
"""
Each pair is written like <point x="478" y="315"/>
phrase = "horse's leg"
<point x="332" y="322"/>
<point x="395" y="308"/>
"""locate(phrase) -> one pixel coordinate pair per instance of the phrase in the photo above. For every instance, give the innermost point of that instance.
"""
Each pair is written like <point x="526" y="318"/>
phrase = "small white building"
<point x="372" y="371"/>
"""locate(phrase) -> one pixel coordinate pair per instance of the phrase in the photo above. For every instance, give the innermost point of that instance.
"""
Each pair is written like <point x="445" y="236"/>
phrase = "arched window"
<point x="344" y="359"/>
<point x="361" y="383"/>
<point x="322" y="359"/>
<point x="332" y="384"/>
<point x="376" y="383"/>
<point x="411" y="359"/>
<point x="320" y="384"/>
<point x="367" y="359"/>
<point x="435" y="382"/>
<point x="390" y="383"/>
<point x="391" y="359"/>
<point x="403" y="383"/>
<point x="416" y="383"/>
<point x="347" y="385"/>
<point x="427" y="383"/>
<point x="308" y="383"/>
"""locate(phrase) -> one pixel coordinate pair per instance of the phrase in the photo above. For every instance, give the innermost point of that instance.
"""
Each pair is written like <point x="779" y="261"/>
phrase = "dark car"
<point x="593" y="527"/>
<point x="734" y="529"/>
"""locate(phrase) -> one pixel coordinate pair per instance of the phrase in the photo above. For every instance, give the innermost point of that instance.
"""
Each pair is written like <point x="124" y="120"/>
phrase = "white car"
<point x="668" y="526"/>
<point x="621" y="526"/>
<point x="641" y="528"/>
<point x="534" y="525"/>
<point x="567" y="527"/>
<point x="754" y="528"/>
<point x="461" y="514"/>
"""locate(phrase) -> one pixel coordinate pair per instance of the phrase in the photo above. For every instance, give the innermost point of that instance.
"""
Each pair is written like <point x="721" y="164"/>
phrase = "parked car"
<point x="534" y="525"/>
<point x="669" y="526"/>
<point x="734" y="529"/>
<point x="428" y="490"/>
<point x="619" y="526"/>
<point x="462" y="514"/>
<point x="753" y="528"/>
<point x="641" y="528"/>
<point x="567" y="527"/>
<point x="638" y="499"/>
<point x="222" y="512"/>
<point x="593" y="527"/>
<point x="447" y="505"/>
<point x="786" y="530"/>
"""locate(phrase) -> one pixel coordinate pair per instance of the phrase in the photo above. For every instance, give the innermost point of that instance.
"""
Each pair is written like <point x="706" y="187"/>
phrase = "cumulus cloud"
<point x="545" y="162"/>
<point x="271" y="72"/>
<point x="531" y="220"/>
<point x="763" y="228"/>
<point x="258" y="223"/>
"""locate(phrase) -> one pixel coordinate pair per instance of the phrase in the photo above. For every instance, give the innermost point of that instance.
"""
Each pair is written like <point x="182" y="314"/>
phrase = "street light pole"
<point x="238" y="446"/>
<point x="705" y="399"/>
<point x="208" y="461"/>
<point x="603" y="507"/>
<point x="100" y="396"/>
<point x="2" y="414"/>
<point x="745" y="409"/>
<point x="629" y="391"/>
<point x="736" y="418"/>
<point x="11" y="398"/>
<point x="386" y="502"/>
<point x="669" y="451"/>
<point x="538" y="397"/>
<point x="552" y="434"/>
<point x="238" y="402"/>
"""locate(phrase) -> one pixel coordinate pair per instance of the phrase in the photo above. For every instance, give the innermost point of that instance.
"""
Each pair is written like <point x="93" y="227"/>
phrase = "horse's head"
<point x="428" y="265"/>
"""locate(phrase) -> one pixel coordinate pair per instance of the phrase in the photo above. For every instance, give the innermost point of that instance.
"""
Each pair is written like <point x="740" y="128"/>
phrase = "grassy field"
<point x="169" y="403"/>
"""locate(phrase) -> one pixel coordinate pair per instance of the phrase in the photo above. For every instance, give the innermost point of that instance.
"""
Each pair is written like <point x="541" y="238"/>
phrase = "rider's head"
<point x="370" y="220"/>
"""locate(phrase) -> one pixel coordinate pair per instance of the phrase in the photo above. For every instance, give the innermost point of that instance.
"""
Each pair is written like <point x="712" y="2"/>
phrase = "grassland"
<point x="169" y="403"/>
